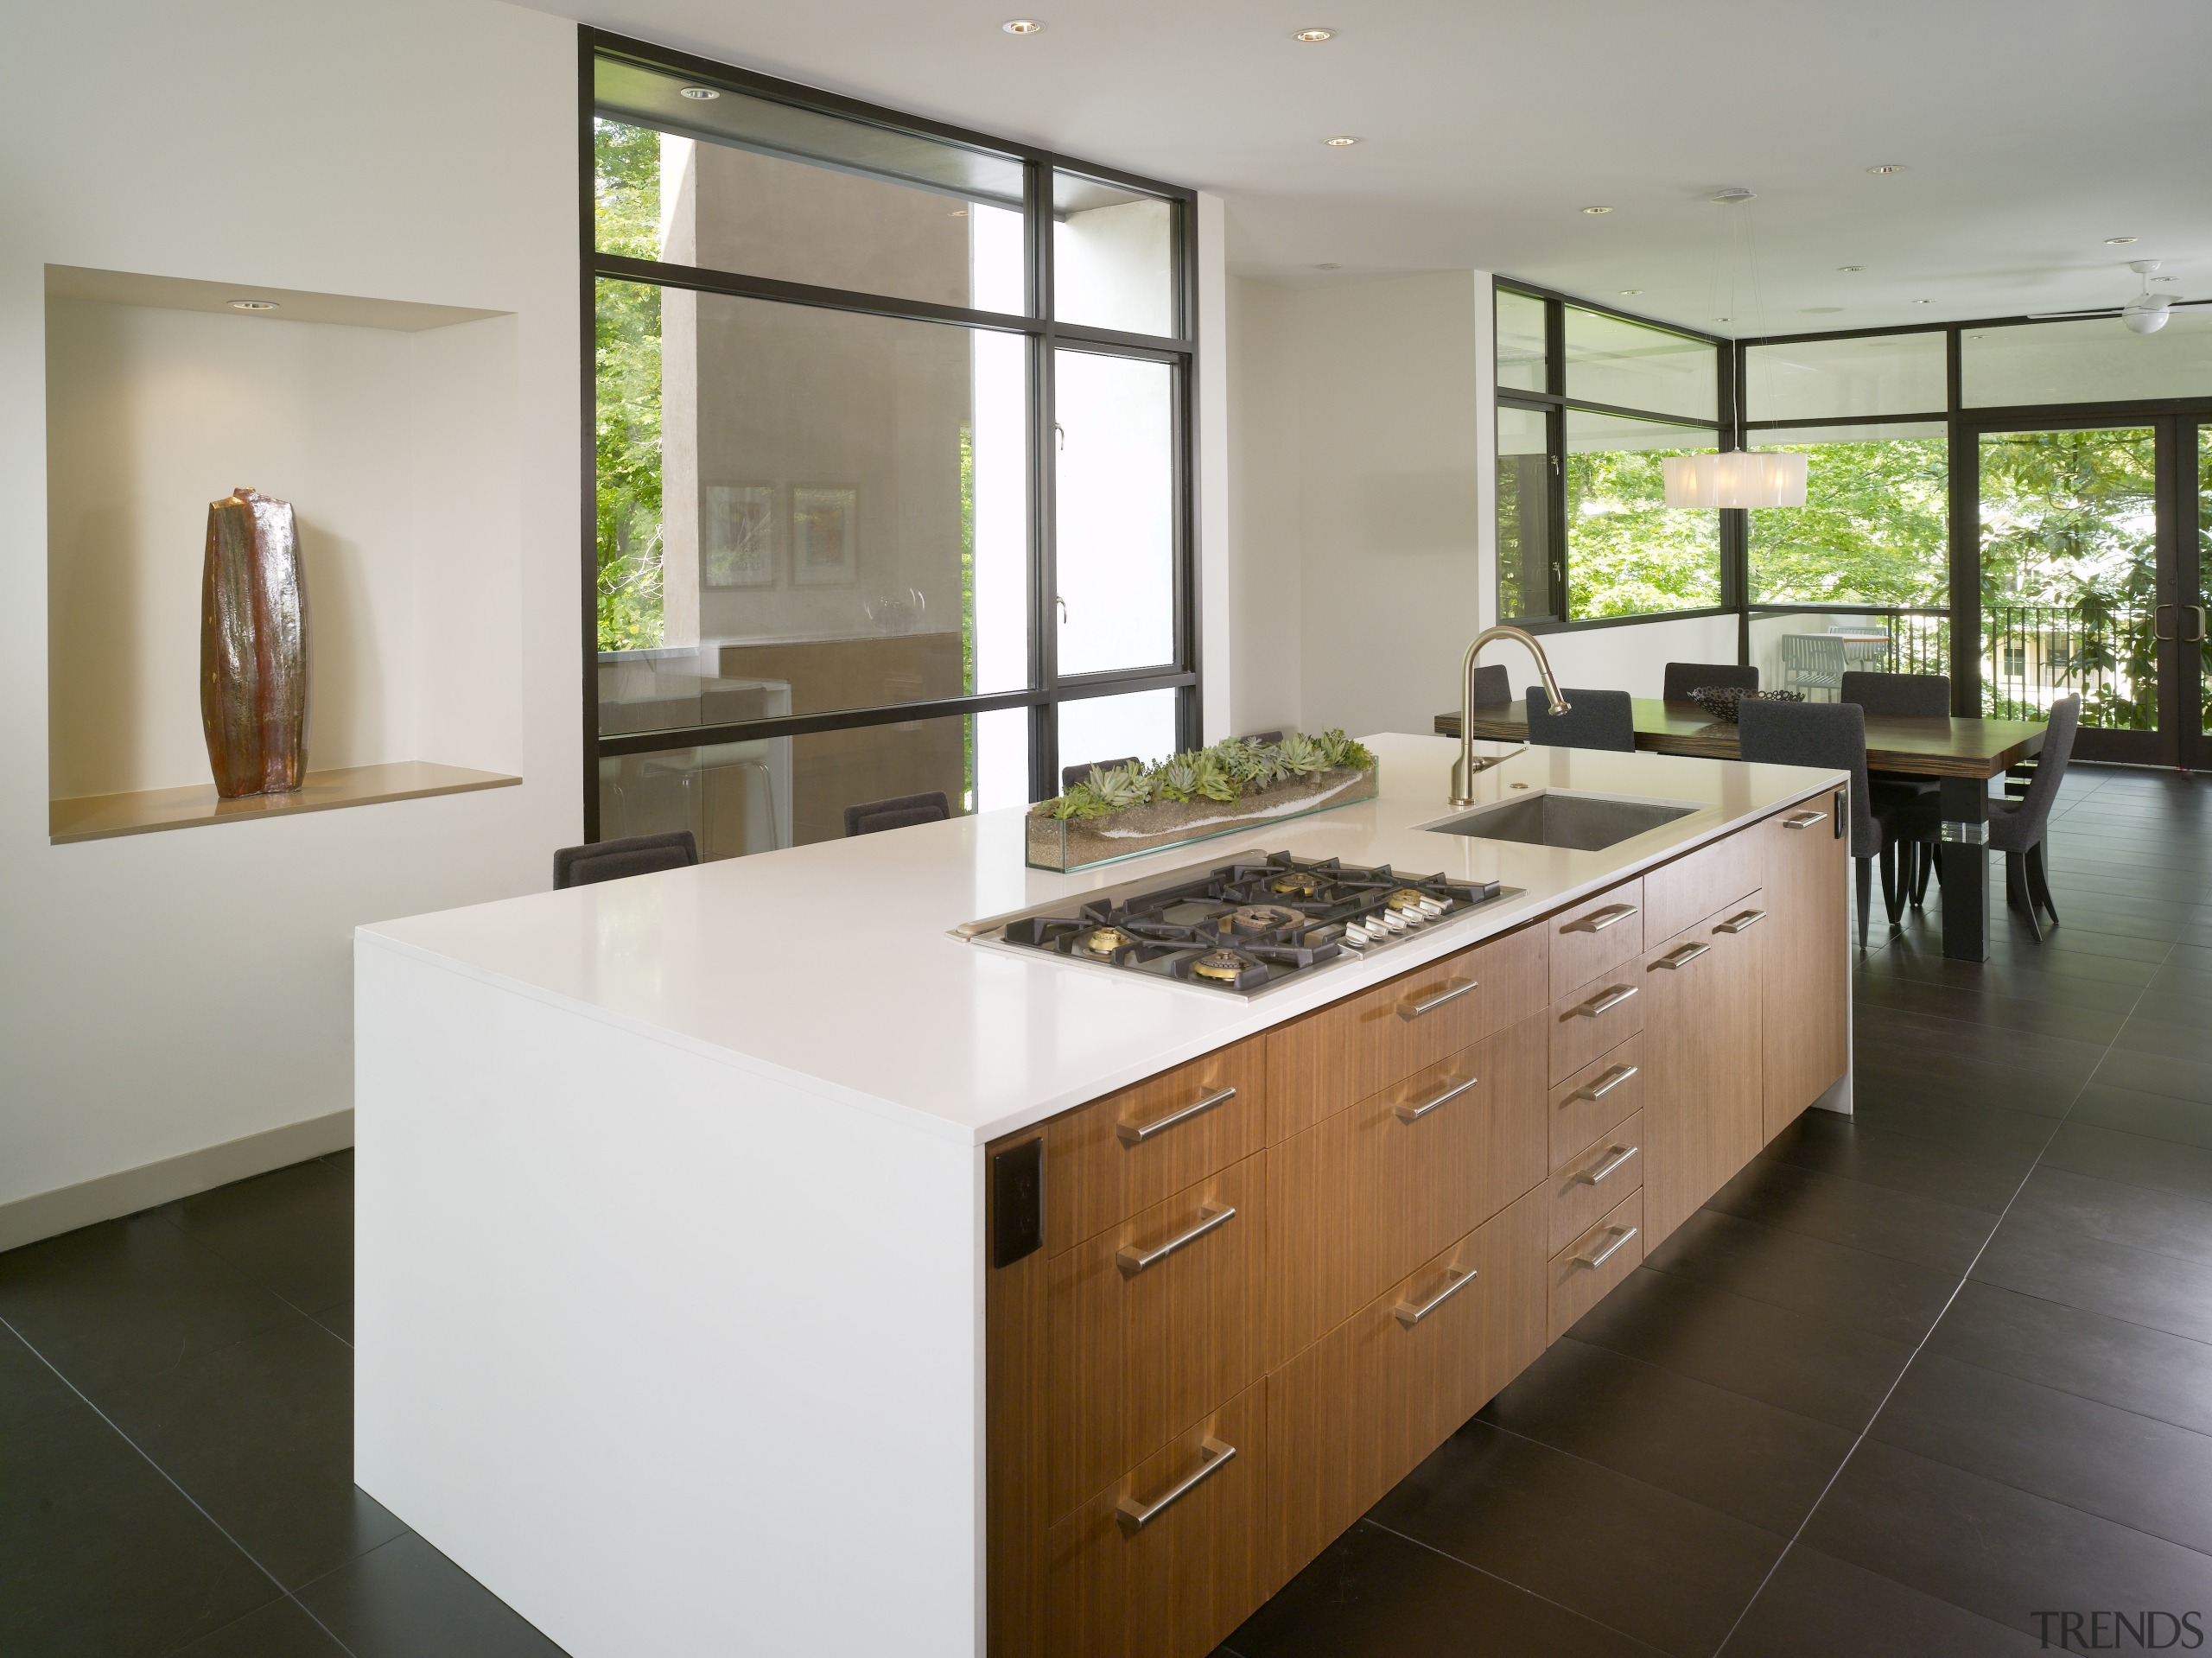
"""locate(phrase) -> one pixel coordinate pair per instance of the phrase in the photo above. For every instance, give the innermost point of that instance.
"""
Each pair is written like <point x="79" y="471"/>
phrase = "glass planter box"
<point x="1072" y="843"/>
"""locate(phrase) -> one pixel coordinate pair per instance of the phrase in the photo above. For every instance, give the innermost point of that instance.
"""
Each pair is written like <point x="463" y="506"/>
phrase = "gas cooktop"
<point x="1242" y="927"/>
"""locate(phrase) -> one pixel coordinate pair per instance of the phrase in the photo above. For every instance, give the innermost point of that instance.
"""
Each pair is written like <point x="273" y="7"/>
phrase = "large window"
<point x="893" y="473"/>
<point x="1590" y="405"/>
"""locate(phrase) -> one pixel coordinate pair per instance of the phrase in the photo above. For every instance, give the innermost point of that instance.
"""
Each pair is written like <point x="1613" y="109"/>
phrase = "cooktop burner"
<point x="1245" y="926"/>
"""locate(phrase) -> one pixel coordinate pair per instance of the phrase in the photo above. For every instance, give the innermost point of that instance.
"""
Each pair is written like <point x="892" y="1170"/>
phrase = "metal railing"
<point x="2032" y="655"/>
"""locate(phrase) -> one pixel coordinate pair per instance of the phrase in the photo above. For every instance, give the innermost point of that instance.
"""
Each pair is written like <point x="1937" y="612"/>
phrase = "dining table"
<point x="1961" y="754"/>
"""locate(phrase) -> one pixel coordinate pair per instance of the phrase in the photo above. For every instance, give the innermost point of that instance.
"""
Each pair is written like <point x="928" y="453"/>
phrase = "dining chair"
<point x="1493" y="683"/>
<point x="1683" y="677"/>
<point x="2017" y="828"/>
<point x="1071" y="775"/>
<point x="873" y="817"/>
<point x="1831" y="735"/>
<point x="1258" y="737"/>
<point x="634" y="855"/>
<point x="1903" y="696"/>
<point x="1593" y="719"/>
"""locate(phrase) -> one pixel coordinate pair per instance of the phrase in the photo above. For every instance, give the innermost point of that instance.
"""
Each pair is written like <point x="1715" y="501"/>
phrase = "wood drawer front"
<point x="1678" y="895"/>
<point x="1593" y="938"/>
<point x="1106" y="1160"/>
<point x="1599" y="1017"/>
<point x="1594" y="1098"/>
<point x="1355" y="1412"/>
<point x="1615" y="1244"/>
<point x="1175" y="1586"/>
<point x="1596" y="1182"/>
<point x="1358" y="1200"/>
<point x="1341" y="1054"/>
<point x="1138" y="1354"/>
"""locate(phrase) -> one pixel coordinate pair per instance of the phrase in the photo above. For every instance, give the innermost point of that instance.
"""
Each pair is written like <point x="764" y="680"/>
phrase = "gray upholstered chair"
<point x="1071" y="775"/>
<point x="1683" y="677"/>
<point x="1831" y="735"/>
<point x="635" y="855"/>
<point x="1592" y="720"/>
<point x="2017" y="826"/>
<point x="1903" y="696"/>
<point x="873" y="817"/>
<point x="1492" y="683"/>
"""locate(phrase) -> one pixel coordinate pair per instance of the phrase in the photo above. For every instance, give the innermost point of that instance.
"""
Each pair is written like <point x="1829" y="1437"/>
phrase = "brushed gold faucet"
<point x="1463" y="772"/>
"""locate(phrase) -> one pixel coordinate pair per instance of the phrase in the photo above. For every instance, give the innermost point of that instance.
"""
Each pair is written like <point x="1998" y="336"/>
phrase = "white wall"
<point x="1362" y="447"/>
<point x="161" y="994"/>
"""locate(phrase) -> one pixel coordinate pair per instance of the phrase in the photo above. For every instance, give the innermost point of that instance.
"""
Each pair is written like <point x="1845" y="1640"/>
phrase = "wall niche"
<point x="390" y="426"/>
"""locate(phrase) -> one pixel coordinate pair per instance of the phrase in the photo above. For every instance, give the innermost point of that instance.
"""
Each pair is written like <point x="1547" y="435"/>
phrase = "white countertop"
<point x="829" y="967"/>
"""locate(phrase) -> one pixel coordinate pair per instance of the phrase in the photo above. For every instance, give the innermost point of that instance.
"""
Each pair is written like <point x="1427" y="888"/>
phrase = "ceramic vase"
<point x="253" y="647"/>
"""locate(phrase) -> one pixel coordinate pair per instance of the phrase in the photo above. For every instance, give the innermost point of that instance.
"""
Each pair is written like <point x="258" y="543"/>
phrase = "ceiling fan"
<point x="2145" y="314"/>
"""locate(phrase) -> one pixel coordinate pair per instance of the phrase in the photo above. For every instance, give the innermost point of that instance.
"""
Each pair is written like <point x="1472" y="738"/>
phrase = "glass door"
<point x="2196" y="537"/>
<point x="2081" y="589"/>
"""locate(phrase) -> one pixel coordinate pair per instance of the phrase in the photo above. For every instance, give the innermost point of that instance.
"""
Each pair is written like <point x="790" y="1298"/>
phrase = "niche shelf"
<point x="390" y="426"/>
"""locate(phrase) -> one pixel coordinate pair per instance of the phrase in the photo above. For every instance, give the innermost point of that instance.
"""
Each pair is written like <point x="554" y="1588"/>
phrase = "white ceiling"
<point x="2031" y="130"/>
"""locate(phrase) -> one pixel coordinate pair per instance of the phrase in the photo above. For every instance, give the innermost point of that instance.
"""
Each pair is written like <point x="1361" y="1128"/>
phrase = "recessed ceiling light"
<point x="1328" y="267"/>
<point x="253" y="305"/>
<point x="1630" y="293"/>
<point x="1340" y="142"/>
<point x="958" y="212"/>
<point x="1597" y="210"/>
<point x="1314" y="36"/>
<point x="698" y="94"/>
<point x="2117" y="241"/>
<point x="1885" y="167"/>
<point x="1849" y="269"/>
<point x="1923" y="301"/>
<point x="1820" y="310"/>
<point x="1023" y="25"/>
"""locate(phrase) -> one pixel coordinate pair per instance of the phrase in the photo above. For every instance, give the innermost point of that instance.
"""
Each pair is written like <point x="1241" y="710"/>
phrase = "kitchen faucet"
<point x="1462" y="773"/>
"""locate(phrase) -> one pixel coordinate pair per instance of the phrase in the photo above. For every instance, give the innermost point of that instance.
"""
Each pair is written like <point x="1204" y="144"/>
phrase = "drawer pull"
<point x="1621" y="1236"/>
<point x="1133" y="1262"/>
<point x="1410" y="1315"/>
<point x="1605" y="1084"/>
<point x="1603" y="1002"/>
<point x="1135" y="1516"/>
<point x="1599" y="920"/>
<point x="1615" y="1156"/>
<point x="1683" y="956"/>
<point x="1803" y="819"/>
<point x="1131" y="1133"/>
<point x="1743" y="923"/>
<point x="1447" y="1091"/>
<point x="1454" y="990"/>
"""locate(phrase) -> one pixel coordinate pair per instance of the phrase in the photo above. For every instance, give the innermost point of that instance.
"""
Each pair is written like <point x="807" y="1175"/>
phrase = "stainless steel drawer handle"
<point x="1616" y="1155"/>
<point x="1413" y="1007"/>
<point x="1743" y="923"/>
<point x="1621" y="1236"/>
<point x="1605" y="1084"/>
<point x="1683" y="956"/>
<point x="1803" y="819"/>
<point x="1213" y="1457"/>
<point x="1133" y="1133"/>
<point x="1603" y="1002"/>
<point x="1133" y="1262"/>
<point x="1599" y="920"/>
<point x="1410" y="1315"/>
<point x="1447" y="1091"/>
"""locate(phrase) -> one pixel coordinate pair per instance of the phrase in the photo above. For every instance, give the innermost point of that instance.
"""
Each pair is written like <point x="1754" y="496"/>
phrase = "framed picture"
<point x="825" y="535"/>
<point x="740" y="537"/>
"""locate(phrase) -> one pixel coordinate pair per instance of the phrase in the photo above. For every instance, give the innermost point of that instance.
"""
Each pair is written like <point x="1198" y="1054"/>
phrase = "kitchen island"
<point x="678" y="1200"/>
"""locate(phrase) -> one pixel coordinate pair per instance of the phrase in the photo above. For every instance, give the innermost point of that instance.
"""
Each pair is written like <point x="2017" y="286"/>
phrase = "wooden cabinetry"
<point x="1807" y="870"/>
<point x="1266" y="1284"/>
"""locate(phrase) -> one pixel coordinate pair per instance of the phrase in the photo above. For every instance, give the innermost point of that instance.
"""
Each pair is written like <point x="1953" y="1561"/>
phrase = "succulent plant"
<point x="1122" y="787"/>
<point x="1228" y="771"/>
<point x="1343" y="753"/>
<point x="1214" y="781"/>
<point x="1176" y="777"/>
<point x="1302" y="755"/>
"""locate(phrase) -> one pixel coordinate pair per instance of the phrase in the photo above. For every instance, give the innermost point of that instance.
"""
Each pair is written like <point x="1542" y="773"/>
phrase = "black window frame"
<point x="1554" y="403"/>
<point x="1047" y="688"/>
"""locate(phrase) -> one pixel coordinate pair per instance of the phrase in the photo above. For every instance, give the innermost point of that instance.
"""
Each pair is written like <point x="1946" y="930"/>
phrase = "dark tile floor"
<point x="1908" y="1381"/>
<point x="1912" y="1378"/>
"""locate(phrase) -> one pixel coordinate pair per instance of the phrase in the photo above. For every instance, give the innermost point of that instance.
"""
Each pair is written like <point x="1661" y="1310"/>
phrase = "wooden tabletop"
<point x="1958" y="748"/>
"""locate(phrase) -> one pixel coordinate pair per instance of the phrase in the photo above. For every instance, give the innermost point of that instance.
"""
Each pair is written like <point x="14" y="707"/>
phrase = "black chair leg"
<point x="1925" y="862"/>
<point x="1893" y="886"/>
<point x="1866" y="895"/>
<point x="2039" y="884"/>
<point x="2016" y="891"/>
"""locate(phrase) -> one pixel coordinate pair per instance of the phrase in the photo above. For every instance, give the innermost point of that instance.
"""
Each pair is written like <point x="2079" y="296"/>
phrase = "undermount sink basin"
<point x="1556" y="817"/>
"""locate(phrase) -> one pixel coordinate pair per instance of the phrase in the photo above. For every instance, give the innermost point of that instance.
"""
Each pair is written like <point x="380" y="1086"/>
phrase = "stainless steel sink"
<point x="1556" y="817"/>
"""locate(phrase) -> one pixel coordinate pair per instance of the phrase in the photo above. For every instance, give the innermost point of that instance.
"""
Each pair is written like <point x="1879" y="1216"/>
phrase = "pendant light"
<point x="1737" y="478"/>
